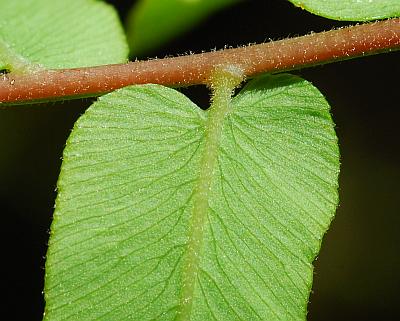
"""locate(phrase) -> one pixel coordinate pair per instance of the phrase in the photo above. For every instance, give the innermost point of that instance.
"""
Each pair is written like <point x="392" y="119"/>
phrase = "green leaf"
<point x="351" y="10"/>
<point x="152" y="23"/>
<point x="59" y="34"/>
<point x="168" y="212"/>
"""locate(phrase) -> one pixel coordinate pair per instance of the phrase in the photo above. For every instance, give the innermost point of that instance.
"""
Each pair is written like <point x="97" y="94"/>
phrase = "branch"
<point x="277" y="56"/>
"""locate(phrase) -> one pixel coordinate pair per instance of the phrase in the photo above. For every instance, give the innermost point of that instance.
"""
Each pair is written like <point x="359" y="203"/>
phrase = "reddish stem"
<point x="288" y="54"/>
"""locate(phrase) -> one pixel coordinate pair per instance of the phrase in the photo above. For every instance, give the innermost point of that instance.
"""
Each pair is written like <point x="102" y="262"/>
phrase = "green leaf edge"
<point x="355" y="18"/>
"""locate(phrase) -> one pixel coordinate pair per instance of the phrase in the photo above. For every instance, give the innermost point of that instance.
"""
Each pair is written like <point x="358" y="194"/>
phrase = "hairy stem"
<point x="277" y="56"/>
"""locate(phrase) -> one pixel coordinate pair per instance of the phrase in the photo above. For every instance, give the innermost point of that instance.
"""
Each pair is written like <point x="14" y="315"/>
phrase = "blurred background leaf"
<point x="58" y="34"/>
<point x="351" y="10"/>
<point x="152" y="23"/>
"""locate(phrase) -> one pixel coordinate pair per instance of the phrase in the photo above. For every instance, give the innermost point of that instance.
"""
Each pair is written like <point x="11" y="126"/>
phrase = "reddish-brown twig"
<point x="288" y="54"/>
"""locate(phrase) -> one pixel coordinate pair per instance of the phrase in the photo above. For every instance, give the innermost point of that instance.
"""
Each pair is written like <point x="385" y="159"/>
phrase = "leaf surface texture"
<point x="54" y="34"/>
<point x="130" y="238"/>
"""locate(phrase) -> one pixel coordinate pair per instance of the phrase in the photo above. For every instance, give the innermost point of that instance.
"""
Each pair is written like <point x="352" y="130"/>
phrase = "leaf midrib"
<point x="213" y="130"/>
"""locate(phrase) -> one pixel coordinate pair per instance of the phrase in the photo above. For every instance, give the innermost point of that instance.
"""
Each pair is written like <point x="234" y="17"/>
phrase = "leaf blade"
<point x="122" y="222"/>
<point x="57" y="34"/>
<point x="96" y="182"/>
<point x="274" y="217"/>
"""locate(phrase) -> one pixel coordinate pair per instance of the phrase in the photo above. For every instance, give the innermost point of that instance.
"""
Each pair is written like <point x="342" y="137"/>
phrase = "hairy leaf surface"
<point x="55" y="34"/>
<point x="352" y="10"/>
<point x="168" y="212"/>
<point x="152" y="23"/>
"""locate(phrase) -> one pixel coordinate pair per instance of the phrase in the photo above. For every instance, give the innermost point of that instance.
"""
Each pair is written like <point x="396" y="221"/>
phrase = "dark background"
<point x="357" y="273"/>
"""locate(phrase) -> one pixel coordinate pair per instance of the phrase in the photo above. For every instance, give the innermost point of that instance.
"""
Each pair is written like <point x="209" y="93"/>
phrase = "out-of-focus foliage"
<point x="59" y="34"/>
<point x="352" y="10"/>
<point x="151" y="23"/>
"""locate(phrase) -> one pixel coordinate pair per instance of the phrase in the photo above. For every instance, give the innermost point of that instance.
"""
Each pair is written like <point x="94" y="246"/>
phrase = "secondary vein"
<point x="224" y="81"/>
